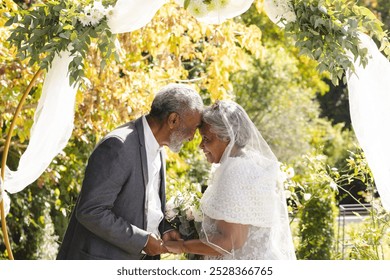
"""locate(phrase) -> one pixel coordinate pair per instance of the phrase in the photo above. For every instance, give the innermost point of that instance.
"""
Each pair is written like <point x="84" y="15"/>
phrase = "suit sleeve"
<point x="104" y="178"/>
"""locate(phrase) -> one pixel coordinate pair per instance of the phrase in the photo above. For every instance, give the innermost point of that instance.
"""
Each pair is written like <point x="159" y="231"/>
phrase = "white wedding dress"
<point x="245" y="190"/>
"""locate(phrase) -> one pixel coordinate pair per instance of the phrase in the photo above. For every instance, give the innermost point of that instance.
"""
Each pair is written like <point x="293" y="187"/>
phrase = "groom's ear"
<point x="173" y="120"/>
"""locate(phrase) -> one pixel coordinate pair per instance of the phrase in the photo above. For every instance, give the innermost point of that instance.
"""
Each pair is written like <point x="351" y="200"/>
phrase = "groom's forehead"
<point x="194" y="118"/>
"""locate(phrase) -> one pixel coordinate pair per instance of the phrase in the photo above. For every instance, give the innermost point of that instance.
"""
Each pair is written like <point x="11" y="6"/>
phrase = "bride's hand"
<point x="175" y="247"/>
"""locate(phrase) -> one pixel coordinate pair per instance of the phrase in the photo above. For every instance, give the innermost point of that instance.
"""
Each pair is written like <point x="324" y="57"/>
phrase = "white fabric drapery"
<point x="369" y="102"/>
<point x="52" y="128"/>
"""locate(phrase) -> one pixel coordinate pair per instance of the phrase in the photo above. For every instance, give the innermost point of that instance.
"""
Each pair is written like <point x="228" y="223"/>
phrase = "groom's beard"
<point x="176" y="140"/>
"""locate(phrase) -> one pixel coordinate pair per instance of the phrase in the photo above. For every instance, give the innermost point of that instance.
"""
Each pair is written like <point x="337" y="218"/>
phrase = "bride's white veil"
<point x="244" y="187"/>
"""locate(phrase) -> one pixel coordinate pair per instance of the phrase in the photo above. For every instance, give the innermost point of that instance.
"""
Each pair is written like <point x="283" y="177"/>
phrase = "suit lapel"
<point x="162" y="184"/>
<point x="140" y="129"/>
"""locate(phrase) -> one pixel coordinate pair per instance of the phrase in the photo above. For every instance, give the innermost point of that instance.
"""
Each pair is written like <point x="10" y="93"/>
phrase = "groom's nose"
<point x="201" y="145"/>
<point x="191" y="136"/>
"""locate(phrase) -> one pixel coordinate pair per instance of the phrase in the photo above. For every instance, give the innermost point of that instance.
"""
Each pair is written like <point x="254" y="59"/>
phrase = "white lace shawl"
<point x="243" y="190"/>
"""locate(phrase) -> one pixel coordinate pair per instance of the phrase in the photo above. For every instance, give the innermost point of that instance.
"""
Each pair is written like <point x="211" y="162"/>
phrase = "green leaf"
<point x="314" y="32"/>
<point x="73" y="36"/>
<point x="102" y="63"/>
<point x="186" y="3"/>
<point x="68" y="27"/>
<point x="65" y="35"/>
<point x="93" y="33"/>
<point x="57" y="8"/>
<point x="77" y="60"/>
<point x="365" y="12"/>
<point x="335" y="81"/>
<point x="9" y="22"/>
<point x="38" y="32"/>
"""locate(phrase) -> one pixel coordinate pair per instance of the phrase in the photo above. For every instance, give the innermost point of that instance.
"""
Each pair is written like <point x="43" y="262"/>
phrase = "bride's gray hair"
<point x="214" y="116"/>
<point x="177" y="98"/>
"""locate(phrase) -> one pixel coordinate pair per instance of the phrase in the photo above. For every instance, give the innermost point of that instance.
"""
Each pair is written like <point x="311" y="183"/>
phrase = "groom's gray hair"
<point x="179" y="98"/>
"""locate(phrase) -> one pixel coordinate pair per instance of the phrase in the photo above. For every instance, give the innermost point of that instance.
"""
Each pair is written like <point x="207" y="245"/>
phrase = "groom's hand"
<point x="154" y="246"/>
<point x="171" y="235"/>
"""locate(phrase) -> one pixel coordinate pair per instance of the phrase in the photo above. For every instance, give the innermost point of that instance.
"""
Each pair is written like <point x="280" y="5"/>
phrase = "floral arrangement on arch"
<point x="182" y="209"/>
<point x="202" y="7"/>
<point x="46" y="30"/>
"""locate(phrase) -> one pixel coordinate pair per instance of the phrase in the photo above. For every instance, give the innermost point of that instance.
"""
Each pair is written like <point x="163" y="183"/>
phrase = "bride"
<point x="244" y="209"/>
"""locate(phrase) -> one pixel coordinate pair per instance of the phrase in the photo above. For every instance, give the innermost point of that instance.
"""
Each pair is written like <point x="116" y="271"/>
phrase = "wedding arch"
<point x="56" y="36"/>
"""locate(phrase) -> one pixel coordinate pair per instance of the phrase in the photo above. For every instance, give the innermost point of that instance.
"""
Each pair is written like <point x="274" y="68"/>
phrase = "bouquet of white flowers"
<point x="183" y="210"/>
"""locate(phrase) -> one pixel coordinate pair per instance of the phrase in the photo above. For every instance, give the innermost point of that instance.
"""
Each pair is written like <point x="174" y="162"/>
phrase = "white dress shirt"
<point x="153" y="201"/>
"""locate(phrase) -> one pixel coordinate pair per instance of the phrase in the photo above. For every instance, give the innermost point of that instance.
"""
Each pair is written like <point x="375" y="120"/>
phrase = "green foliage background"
<point x="247" y="59"/>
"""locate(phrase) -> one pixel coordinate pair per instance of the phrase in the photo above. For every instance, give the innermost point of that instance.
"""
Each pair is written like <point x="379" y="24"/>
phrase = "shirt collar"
<point x="150" y="141"/>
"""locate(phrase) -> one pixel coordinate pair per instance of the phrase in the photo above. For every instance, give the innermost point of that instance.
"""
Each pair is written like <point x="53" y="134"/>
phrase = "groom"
<point x="119" y="213"/>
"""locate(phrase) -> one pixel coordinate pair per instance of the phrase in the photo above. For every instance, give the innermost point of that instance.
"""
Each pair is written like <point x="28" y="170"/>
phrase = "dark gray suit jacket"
<point x="109" y="219"/>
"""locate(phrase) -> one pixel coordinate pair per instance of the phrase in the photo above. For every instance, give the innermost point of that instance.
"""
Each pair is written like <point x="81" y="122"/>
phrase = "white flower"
<point x="170" y="209"/>
<point x="93" y="14"/>
<point x="170" y="203"/>
<point x="282" y="176"/>
<point x="306" y="196"/>
<point x="217" y="4"/>
<point x="189" y="213"/>
<point x="287" y="193"/>
<point x="197" y="213"/>
<point x="84" y="19"/>
<point x="179" y="200"/>
<point x="345" y="29"/>
<point x="109" y="12"/>
<point x="87" y="10"/>
<point x="96" y="16"/>
<point x="290" y="172"/>
<point x="170" y="214"/>
<point x="333" y="185"/>
<point x="198" y="187"/>
<point x="97" y="5"/>
<point x="197" y="8"/>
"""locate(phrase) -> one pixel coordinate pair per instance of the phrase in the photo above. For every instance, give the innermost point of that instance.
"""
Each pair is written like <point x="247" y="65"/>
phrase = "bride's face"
<point x="211" y="145"/>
